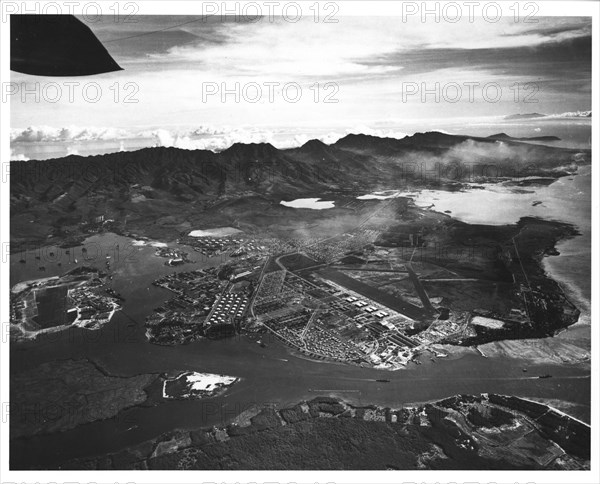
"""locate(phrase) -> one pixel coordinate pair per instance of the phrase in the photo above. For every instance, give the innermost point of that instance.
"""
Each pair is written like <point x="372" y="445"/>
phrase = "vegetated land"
<point x="156" y="192"/>
<point x="462" y="432"/>
<point x="463" y="270"/>
<point x="379" y="293"/>
<point x="60" y="395"/>
<point x="467" y="270"/>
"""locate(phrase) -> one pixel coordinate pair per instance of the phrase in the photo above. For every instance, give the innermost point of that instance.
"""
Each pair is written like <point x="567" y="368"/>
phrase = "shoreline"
<point x="321" y="361"/>
<point x="220" y="384"/>
<point x="328" y="410"/>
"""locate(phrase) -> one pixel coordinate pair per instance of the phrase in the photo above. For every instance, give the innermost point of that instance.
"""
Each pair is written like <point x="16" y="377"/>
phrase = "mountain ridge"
<point x="50" y="197"/>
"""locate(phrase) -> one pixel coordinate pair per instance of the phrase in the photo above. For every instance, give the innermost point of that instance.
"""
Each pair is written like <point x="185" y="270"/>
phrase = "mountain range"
<point x="48" y="195"/>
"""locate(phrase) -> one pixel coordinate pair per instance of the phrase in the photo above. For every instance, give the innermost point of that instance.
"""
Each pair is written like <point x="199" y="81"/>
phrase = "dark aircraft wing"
<point x="56" y="45"/>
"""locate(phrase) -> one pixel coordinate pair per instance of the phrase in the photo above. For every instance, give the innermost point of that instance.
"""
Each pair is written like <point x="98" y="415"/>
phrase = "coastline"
<point x="520" y="416"/>
<point x="148" y="269"/>
<point x="562" y="201"/>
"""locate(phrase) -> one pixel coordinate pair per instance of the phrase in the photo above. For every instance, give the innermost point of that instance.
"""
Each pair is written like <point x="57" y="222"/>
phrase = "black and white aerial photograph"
<point x="302" y="239"/>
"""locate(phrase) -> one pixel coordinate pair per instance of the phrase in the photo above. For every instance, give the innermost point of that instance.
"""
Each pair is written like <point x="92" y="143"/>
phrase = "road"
<point x="395" y="303"/>
<point x="419" y="288"/>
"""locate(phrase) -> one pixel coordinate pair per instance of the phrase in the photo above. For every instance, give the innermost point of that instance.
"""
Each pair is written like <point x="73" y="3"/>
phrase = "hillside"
<point x="54" y="198"/>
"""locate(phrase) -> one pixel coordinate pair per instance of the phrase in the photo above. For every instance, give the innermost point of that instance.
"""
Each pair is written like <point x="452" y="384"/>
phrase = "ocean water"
<point x="566" y="200"/>
<point x="273" y="375"/>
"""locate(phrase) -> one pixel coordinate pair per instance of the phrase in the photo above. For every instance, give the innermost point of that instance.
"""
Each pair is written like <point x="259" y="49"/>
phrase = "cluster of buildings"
<point x="311" y="313"/>
<point x="322" y="320"/>
<point x="228" y="308"/>
<point x="371" y="309"/>
<point x="199" y="287"/>
<point x="175" y="257"/>
<point x="270" y="285"/>
<point x="77" y="298"/>
<point x="324" y="344"/>
<point x="211" y="246"/>
<point x="250" y="247"/>
<point x="301" y="329"/>
<point x="92" y="308"/>
<point x="335" y="248"/>
<point x="182" y="317"/>
<point x="205" y="304"/>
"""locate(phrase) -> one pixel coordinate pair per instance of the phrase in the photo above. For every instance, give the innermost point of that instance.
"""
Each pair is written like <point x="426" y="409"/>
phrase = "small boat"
<point x="22" y="261"/>
<point x="524" y="370"/>
<point x="547" y="375"/>
<point x="382" y="381"/>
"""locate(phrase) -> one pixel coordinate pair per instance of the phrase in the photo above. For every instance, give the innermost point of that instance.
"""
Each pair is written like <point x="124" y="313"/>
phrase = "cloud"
<point x="331" y="137"/>
<point x="34" y="134"/>
<point x="381" y="133"/>
<point x="351" y="47"/>
<point x="300" y="139"/>
<point x="51" y="134"/>
<point x="495" y="159"/>
<point x="571" y="114"/>
<point x="170" y="60"/>
<point x="190" y="141"/>
<point x="17" y="157"/>
<point x="282" y="50"/>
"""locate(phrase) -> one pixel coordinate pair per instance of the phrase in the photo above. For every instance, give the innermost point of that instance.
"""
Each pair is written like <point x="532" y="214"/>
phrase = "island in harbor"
<point x="80" y="297"/>
<point x="369" y="283"/>
<point x="191" y="384"/>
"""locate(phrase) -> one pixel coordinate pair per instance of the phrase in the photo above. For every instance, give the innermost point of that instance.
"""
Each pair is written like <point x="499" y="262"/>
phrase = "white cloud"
<point x="51" y="134"/>
<point x="571" y="114"/>
<point x="350" y="48"/>
<point x="17" y="157"/>
<point x="187" y="141"/>
<point x="381" y="133"/>
<point x="300" y="139"/>
<point x="368" y="57"/>
<point x="67" y="133"/>
<point x="282" y="50"/>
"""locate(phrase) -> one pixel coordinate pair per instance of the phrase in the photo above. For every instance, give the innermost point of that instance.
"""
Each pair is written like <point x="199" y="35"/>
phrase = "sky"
<point x="205" y="83"/>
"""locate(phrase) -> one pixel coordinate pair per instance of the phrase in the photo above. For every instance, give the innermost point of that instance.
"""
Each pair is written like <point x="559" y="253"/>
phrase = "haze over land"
<point x="273" y="284"/>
